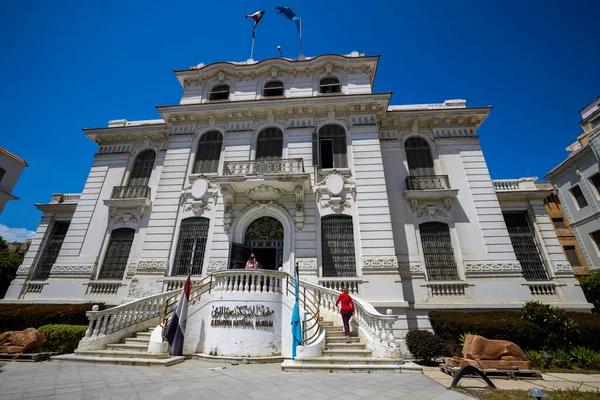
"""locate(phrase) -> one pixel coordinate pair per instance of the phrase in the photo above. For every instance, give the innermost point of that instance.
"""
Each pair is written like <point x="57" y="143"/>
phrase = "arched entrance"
<point x="263" y="237"/>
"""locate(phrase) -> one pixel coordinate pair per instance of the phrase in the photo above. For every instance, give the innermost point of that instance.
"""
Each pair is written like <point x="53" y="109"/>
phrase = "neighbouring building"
<point x="300" y="162"/>
<point x="11" y="167"/>
<point x="577" y="180"/>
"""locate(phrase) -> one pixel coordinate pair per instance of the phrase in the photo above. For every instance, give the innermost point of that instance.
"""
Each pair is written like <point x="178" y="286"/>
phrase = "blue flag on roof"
<point x="289" y="14"/>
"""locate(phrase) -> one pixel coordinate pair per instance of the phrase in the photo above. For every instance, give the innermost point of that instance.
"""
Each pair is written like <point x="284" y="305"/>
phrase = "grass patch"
<point x="495" y="394"/>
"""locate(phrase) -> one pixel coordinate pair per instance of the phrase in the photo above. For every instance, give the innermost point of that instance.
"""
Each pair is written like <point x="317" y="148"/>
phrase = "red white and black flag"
<point x="257" y="16"/>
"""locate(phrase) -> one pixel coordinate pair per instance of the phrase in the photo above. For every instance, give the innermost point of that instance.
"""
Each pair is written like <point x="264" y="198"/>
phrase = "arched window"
<point x="208" y="153"/>
<point x="418" y="156"/>
<point x="269" y="144"/>
<point x="337" y="246"/>
<point x="274" y="88"/>
<point x="142" y="168"/>
<point x="438" y="253"/>
<point x="329" y="85"/>
<point x="331" y="147"/>
<point x="191" y="246"/>
<point x="219" y="92"/>
<point x="117" y="254"/>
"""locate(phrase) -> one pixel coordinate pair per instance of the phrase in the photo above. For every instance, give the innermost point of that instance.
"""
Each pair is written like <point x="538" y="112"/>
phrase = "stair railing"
<point x="307" y="299"/>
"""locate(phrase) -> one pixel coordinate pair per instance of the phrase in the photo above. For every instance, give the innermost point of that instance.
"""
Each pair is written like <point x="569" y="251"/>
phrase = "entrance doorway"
<point x="264" y="238"/>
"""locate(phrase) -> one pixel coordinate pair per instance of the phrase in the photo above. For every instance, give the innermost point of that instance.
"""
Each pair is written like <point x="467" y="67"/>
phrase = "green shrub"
<point x="537" y="359"/>
<point x="425" y="346"/>
<point x="560" y="329"/>
<point x="22" y="316"/>
<point x="561" y="358"/>
<point x="505" y="325"/>
<point x="62" y="338"/>
<point x="463" y="337"/>
<point x="591" y="288"/>
<point x="583" y="356"/>
<point x="588" y="326"/>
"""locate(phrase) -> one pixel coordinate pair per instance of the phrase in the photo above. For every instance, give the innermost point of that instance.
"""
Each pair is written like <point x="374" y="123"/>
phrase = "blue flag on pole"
<point x="289" y="14"/>
<point x="296" y="324"/>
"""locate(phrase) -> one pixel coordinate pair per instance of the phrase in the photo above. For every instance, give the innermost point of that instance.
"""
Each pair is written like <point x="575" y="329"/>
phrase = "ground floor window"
<point x="337" y="246"/>
<point x="52" y="247"/>
<point x="191" y="246"/>
<point x="117" y="253"/>
<point x="524" y="243"/>
<point x="437" y="251"/>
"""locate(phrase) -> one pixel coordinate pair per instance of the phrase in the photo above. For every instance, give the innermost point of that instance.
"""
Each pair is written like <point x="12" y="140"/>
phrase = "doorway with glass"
<point x="264" y="238"/>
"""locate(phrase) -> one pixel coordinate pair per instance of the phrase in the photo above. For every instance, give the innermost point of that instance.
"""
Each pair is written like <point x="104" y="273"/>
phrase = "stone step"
<point x="348" y="360"/>
<point x="292" y="366"/>
<point x="351" y="345"/>
<point x="347" y="353"/>
<point x="137" y="340"/>
<point x="334" y="328"/>
<point x="143" y="335"/>
<point x="121" y="354"/>
<point x="326" y="323"/>
<point x="127" y="347"/>
<point x="340" y="339"/>
<point x="165" y="362"/>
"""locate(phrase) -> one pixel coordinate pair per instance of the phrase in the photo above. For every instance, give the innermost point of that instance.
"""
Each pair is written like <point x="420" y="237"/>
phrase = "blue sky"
<point x="72" y="64"/>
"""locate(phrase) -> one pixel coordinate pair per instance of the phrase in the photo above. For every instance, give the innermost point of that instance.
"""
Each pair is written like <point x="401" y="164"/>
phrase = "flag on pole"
<point x="176" y="324"/>
<point x="257" y="16"/>
<point x="296" y="324"/>
<point x="289" y="14"/>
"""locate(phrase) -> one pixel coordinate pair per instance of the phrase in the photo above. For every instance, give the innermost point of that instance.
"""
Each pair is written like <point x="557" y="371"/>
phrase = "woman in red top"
<point x="347" y="310"/>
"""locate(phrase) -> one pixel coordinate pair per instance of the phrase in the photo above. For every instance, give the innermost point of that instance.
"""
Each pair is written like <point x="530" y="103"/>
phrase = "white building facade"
<point x="11" y="168"/>
<point x="300" y="162"/>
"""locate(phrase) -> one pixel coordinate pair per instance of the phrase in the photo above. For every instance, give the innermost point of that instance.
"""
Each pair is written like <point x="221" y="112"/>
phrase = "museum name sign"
<point x="242" y="316"/>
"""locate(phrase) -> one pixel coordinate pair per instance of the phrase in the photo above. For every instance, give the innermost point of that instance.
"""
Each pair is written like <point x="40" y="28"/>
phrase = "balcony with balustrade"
<point x="129" y="197"/>
<point x="429" y="187"/>
<point x="521" y="189"/>
<point x="60" y="202"/>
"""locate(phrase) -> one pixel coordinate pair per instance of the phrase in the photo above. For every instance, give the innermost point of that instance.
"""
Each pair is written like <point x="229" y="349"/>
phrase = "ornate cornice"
<point x="72" y="269"/>
<point x="486" y="268"/>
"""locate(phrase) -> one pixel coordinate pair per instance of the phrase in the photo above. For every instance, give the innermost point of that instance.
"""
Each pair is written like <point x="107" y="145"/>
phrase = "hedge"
<point x="16" y="317"/>
<point x="62" y="338"/>
<point x="588" y="327"/>
<point x="425" y="346"/>
<point x="505" y="325"/>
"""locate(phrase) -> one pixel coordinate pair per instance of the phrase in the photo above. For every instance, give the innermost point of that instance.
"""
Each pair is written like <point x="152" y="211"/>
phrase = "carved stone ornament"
<point x="152" y="265"/>
<point x="228" y="208"/>
<point x="23" y="271"/>
<point x="198" y="207"/>
<point x="380" y="262"/>
<point x="431" y="212"/>
<point x="411" y="269"/>
<point x="127" y="218"/>
<point x="337" y="204"/>
<point x="492" y="268"/>
<point x="264" y="193"/>
<point x="563" y="269"/>
<point x="216" y="265"/>
<point x="72" y="269"/>
<point x="299" y="191"/>
<point x="131" y="269"/>
<point x="307" y="263"/>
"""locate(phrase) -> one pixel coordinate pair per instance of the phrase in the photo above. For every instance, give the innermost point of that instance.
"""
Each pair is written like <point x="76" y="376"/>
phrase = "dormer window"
<point x="330" y="85"/>
<point x="272" y="89"/>
<point x="219" y="92"/>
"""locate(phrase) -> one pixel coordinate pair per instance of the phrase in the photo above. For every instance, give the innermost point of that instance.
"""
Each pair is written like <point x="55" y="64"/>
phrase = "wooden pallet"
<point x="497" y="373"/>
<point x="25" y="357"/>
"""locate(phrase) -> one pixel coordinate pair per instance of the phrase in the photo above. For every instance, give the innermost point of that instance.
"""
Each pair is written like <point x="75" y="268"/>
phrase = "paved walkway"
<point x="198" y="380"/>
<point x="553" y="381"/>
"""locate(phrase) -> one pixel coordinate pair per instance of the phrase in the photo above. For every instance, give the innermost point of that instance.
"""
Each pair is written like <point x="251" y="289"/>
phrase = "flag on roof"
<point x="257" y="16"/>
<point x="289" y="14"/>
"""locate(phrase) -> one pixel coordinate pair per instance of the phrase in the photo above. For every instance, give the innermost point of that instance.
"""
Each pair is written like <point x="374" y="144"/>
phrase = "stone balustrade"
<point x="338" y="284"/>
<point x="130" y="192"/>
<point x="263" y="167"/>
<point x="447" y="289"/>
<point x="104" y="288"/>
<point x="504" y="185"/>
<point x="60" y="198"/>
<point x="542" y="289"/>
<point x="33" y="288"/>
<point x="427" y="182"/>
<point x="244" y="281"/>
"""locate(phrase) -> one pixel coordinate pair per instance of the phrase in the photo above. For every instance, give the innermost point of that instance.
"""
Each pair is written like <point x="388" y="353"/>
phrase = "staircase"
<point x="132" y="351"/>
<point x="340" y="356"/>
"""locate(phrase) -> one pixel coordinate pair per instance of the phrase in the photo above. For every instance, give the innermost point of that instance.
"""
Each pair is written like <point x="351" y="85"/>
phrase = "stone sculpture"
<point x="21" y="341"/>
<point x="490" y="354"/>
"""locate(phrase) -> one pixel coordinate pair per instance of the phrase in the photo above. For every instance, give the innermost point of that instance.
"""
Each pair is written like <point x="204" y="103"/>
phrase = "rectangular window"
<point x="191" y="246"/>
<point x="438" y="252"/>
<point x="596" y="238"/>
<point x="571" y="253"/>
<point x="524" y="243"/>
<point x="579" y="197"/>
<point x="327" y="153"/>
<point x="52" y="247"/>
<point x="558" y="223"/>
<point x="595" y="179"/>
<point x="2" y="172"/>
<point x="595" y="122"/>
<point x="337" y="246"/>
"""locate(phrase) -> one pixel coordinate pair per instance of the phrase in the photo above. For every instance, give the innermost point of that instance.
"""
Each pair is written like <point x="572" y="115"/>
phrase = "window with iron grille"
<point x="595" y="179"/>
<point x="220" y="92"/>
<point x="117" y="254"/>
<point x="337" y="246"/>
<point x="559" y="223"/>
<point x="596" y="238"/>
<point x="438" y="252"/>
<point x="51" y="249"/>
<point x="274" y="88"/>
<point x="209" y="153"/>
<point x="572" y="257"/>
<point x="579" y="197"/>
<point x="332" y="147"/>
<point x="525" y="246"/>
<point x="191" y="245"/>
<point x="142" y="168"/>
<point x="2" y="172"/>
<point x="329" y="85"/>
<point x="418" y="156"/>
<point x="269" y="144"/>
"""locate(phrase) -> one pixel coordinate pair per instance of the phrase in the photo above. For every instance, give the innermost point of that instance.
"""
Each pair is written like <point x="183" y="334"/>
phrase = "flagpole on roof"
<point x="252" y="50"/>
<point x="300" y="56"/>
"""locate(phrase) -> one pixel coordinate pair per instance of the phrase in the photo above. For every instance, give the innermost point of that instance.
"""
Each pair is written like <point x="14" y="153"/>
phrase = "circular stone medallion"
<point x="335" y="184"/>
<point x="199" y="188"/>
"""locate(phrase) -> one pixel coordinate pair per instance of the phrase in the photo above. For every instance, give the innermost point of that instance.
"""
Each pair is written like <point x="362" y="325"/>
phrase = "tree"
<point x="591" y="288"/>
<point x="9" y="263"/>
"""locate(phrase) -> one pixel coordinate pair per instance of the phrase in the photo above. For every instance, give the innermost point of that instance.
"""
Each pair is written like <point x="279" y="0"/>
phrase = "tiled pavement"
<point x="198" y="380"/>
